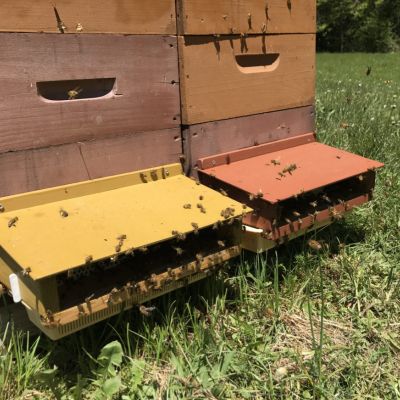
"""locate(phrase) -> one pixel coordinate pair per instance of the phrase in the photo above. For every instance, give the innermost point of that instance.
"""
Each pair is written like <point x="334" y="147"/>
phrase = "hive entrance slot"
<point x="76" y="89"/>
<point x="251" y="63"/>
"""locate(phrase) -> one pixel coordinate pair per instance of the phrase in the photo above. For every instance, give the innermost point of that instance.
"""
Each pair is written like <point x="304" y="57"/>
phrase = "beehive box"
<point x="81" y="106"/>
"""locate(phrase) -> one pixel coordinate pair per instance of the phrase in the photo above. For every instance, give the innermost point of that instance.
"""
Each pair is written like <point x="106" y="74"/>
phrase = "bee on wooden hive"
<point x="73" y="93"/>
<point x="26" y="271"/>
<point x="289" y="169"/>
<point x="314" y="203"/>
<point x="223" y="192"/>
<point x="187" y="206"/>
<point x="195" y="227"/>
<point x="221" y="243"/>
<point x="143" y="249"/>
<point x="260" y="194"/>
<point x="88" y="259"/>
<point x="2" y="208"/>
<point x="79" y="27"/>
<point x="12" y="222"/>
<point x="143" y="177"/>
<point x="63" y="213"/>
<point x="326" y="198"/>
<point x="275" y="162"/>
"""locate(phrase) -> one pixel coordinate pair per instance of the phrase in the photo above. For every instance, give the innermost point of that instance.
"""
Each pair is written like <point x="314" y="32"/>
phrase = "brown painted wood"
<point x="130" y="153"/>
<point x="205" y="17"/>
<point x="145" y="96"/>
<point x="25" y="171"/>
<point x="228" y="77"/>
<point x="28" y="170"/>
<point x="94" y="16"/>
<point x="210" y="138"/>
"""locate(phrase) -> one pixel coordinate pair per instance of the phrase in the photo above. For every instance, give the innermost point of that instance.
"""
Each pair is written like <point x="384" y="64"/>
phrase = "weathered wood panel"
<point x="89" y="16"/>
<point x="203" y="140"/>
<point x="28" y="170"/>
<point x="144" y="95"/>
<point x="228" y="77"/>
<point x="205" y="17"/>
<point x="130" y="153"/>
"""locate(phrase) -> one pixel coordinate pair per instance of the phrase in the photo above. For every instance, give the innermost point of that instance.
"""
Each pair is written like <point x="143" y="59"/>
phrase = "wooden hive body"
<point x="106" y="105"/>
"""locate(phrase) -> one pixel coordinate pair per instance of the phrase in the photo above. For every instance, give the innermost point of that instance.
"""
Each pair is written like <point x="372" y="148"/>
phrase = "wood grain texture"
<point x="95" y="16"/>
<point x="214" y="86"/>
<point x="29" y="170"/>
<point x="205" y="17"/>
<point x="203" y="140"/>
<point x="145" y="96"/>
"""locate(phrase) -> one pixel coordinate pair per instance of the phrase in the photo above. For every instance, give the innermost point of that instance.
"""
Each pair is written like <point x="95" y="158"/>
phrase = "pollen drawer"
<point x="292" y="185"/>
<point x="58" y="89"/>
<point x="204" y="17"/>
<point x="230" y="76"/>
<point x="88" y="16"/>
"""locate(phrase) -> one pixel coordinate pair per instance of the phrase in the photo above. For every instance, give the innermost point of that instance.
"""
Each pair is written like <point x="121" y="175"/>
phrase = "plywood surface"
<point x="316" y="165"/>
<point x="203" y="140"/>
<point x="94" y="16"/>
<point x="29" y="170"/>
<point x="145" y="212"/>
<point x="204" y="17"/>
<point x="145" y="96"/>
<point x="229" y="77"/>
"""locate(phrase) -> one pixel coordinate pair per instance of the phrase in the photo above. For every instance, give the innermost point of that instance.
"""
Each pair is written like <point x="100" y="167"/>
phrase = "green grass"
<point x="289" y="325"/>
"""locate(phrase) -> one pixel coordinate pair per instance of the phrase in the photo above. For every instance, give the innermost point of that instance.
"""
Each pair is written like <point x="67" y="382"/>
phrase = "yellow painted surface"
<point x="99" y="211"/>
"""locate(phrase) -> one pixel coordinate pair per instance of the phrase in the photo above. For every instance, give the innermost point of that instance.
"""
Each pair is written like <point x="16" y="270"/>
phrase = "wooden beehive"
<point x="106" y="105"/>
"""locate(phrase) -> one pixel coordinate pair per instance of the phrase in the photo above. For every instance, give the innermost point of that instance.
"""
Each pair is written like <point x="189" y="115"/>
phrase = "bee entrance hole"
<point x="76" y="89"/>
<point x="251" y="63"/>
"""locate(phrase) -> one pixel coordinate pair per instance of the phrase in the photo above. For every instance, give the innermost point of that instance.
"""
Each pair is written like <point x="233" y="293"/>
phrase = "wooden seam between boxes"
<point x="35" y="169"/>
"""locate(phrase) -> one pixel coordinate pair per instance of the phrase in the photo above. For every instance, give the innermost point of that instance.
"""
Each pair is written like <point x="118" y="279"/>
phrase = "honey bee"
<point x="88" y="300"/>
<point x="260" y="194"/>
<point x="281" y="174"/>
<point x="223" y="192"/>
<point x="2" y="209"/>
<point x="143" y="249"/>
<point x="195" y="227"/>
<point x="274" y="222"/>
<point x="81" y="310"/>
<point x="187" y="206"/>
<point x="251" y="197"/>
<point x="63" y="213"/>
<point x="12" y="222"/>
<point x="178" y="250"/>
<point x="203" y="210"/>
<point x="221" y="243"/>
<point x="181" y="236"/>
<point x="118" y="248"/>
<point x="326" y="198"/>
<point x="122" y="237"/>
<point x="143" y="177"/>
<point x="73" y="93"/>
<point x="216" y="225"/>
<point x="288" y="221"/>
<point x="289" y="169"/>
<point x="146" y="311"/>
<point x="360" y="178"/>
<point x="88" y="259"/>
<point x="296" y="214"/>
<point x="314" y="203"/>
<point x="49" y="316"/>
<point x="26" y="271"/>
<point x="244" y="206"/>
<point x="201" y="197"/>
<point x="314" y="245"/>
<point x="276" y="162"/>
<point x="79" y="27"/>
